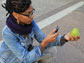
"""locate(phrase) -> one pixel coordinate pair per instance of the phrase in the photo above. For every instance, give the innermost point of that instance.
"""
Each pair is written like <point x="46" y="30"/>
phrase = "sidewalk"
<point x="69" y="54"/>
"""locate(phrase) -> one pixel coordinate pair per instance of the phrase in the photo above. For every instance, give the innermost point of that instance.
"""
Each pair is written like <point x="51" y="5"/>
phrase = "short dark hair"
<point x="17" y="6"/>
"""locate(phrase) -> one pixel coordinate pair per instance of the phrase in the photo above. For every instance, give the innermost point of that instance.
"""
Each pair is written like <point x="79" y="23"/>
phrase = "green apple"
<point x="75" y="32"/>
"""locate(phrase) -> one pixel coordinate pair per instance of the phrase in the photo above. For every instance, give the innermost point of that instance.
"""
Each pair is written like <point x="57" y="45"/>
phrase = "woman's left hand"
<point x="70" y="38"/>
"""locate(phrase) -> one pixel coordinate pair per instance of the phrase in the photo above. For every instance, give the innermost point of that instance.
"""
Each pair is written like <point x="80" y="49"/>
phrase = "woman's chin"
<point x="29" y="22"/>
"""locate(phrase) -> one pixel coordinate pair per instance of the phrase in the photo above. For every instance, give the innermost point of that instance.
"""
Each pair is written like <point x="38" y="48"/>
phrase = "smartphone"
<point x="57" y="28"/>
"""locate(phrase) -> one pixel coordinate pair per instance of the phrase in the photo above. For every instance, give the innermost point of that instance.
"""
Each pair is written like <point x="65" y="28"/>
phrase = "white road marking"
<point x="59" y="15"/>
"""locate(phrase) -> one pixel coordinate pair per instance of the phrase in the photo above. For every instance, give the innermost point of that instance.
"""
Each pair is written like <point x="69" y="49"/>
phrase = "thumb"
<point x="56" y="34"/>
<point x="67" y="36"/>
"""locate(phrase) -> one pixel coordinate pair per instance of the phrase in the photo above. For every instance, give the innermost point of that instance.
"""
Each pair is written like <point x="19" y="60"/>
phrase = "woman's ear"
<point x="15" y="15"/>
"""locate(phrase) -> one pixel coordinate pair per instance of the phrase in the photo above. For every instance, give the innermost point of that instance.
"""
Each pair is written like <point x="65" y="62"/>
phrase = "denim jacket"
<point x="14" y="47"/>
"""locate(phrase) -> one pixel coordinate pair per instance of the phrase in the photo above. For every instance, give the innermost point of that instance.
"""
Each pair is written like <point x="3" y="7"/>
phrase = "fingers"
<point x="52" y="31"/>
<point x="71" y="38"/>
<point x="56" y="34"/>
<point x="76" y="38"/>
<point x="68" y="37"/>
<point x="53" y="34"/>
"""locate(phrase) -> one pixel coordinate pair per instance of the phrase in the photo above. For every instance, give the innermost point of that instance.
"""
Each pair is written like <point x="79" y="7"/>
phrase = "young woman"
<point x="19" y="32"/>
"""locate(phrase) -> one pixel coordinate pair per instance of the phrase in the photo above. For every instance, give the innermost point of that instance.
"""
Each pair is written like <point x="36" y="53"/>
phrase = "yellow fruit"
<point x="75" y="32"/>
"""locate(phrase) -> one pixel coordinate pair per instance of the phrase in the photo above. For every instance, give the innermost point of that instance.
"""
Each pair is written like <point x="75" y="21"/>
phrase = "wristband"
<point x="63" y="41"/>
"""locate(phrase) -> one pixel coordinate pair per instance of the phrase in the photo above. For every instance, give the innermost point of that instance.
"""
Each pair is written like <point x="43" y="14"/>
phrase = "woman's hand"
<point x="70" y="38"/>
<point x="51" y="37"/>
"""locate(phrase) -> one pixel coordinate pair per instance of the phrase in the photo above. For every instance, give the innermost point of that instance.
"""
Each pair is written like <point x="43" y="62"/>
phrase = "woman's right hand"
<point x="51" y="37"/>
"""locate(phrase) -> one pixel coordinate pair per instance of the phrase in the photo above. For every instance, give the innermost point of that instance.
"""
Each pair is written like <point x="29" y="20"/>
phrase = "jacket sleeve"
<point x="40" y="36"/>
<point x="18" y="50"/>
